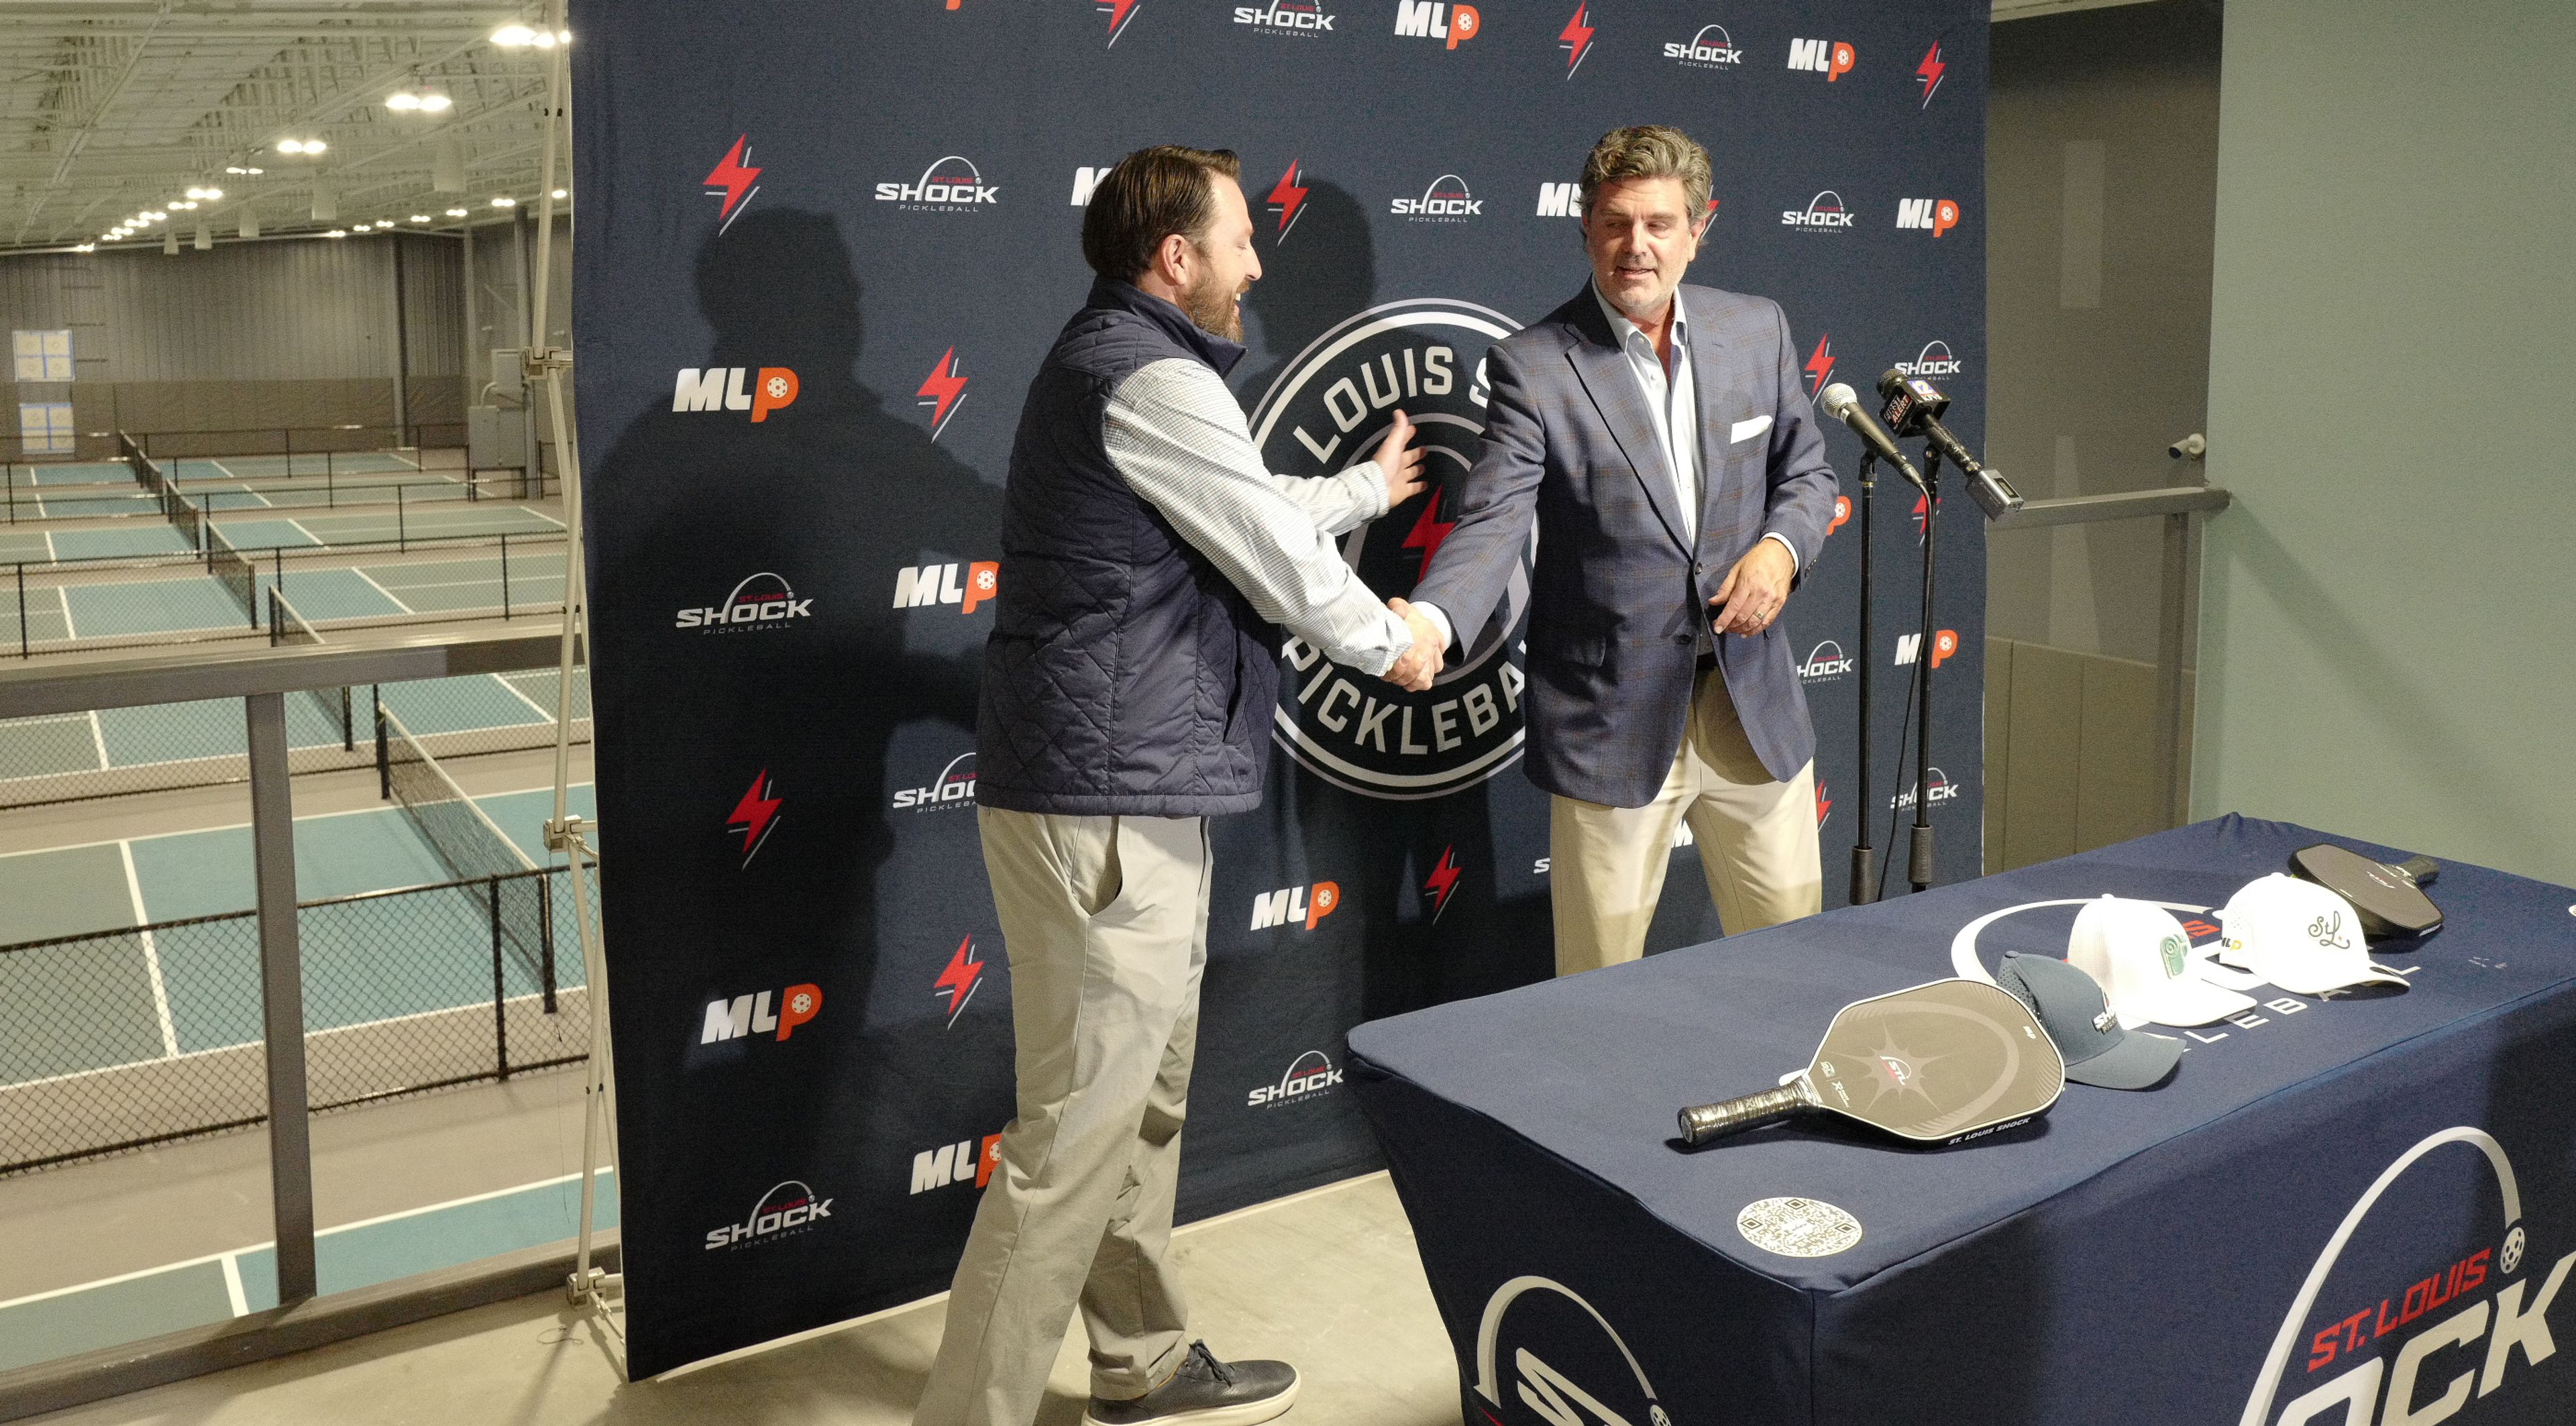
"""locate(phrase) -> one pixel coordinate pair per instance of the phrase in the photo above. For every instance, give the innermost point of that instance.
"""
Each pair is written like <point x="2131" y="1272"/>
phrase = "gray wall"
<point x="295" y="332"/>
<point x="2101" y="164"/>
<point x="2386" y="645"/>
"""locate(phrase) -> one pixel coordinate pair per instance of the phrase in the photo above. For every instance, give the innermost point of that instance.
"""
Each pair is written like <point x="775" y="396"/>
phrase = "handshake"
<point x="1401" y="462"/>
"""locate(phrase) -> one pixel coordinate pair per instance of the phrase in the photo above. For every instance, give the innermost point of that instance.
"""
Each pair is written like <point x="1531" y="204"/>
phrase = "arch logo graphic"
<point x="1324" y="415"/>
<point x="1546" y="1357"/>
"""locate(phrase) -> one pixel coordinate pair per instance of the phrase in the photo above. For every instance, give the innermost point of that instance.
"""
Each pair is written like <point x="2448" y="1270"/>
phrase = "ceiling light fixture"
<point x="420" y="217"/>
<point x="190" y="204"/>
<point x="456" y="212"/>
<point x="337" y="233"/>
<point x="301" y="146"/>
<point x="514" y="37"/>
<point x="237" y="168"/>
<point x="563" y="193"/>
<point x="505" y="202"/>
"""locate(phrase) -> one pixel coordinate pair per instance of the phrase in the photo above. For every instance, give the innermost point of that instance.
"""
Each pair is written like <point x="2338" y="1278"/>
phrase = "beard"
<point x="1210" y="306"/>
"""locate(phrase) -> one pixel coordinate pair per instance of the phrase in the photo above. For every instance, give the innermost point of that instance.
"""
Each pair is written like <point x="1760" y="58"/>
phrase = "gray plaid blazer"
<point x="1618" y="599"/>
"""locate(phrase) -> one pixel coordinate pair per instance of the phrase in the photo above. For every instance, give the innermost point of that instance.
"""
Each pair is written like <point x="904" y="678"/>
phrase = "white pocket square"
<point x="1747" y="430"/>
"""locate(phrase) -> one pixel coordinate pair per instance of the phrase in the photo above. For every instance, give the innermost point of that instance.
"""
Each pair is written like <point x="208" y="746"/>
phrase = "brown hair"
<point x="1650" y="151"/>
<point x="1146" y="197"/>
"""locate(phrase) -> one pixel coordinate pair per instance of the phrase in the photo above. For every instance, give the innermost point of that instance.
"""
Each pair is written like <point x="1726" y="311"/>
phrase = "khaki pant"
<point x="1756" y="837"/>
<point x="1105" y="923"/>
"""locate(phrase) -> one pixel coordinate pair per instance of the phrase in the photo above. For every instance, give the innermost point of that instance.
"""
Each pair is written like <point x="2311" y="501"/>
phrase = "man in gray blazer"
<point x="1659" y="437"/>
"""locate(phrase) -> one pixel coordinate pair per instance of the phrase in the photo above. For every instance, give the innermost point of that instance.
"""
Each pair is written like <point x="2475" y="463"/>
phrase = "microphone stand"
<point x="1919" y="851"/>
<point x="1864" y="864"/>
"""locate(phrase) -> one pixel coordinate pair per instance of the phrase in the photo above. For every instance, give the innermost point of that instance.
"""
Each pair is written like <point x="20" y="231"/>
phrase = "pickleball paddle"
<point x="2389" y="899"/>
<point x="1935" y="1064"/>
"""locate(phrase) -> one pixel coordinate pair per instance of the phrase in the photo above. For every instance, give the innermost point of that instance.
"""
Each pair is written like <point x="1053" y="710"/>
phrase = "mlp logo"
<point x="1942" y="791"/>
<point x="1933" y="215"/>
<point x="957" y="984"/>
<point x="760" y="602"/>
<point x="1302" y="18"/>
<point x="1711" y="48"/>
<point x="1308" y="1075"/>
<point x="1560" y="200"/>
<point x="917" y="586"/>
<point x="1934" y="360"/>
<point x="734" y="181"/>
<point x="1825" y="663"/>
<point x="950" y="185"/>
<point x="1546" y="1357"/>
<point x="1576" y="39"/>
<point x="1445" y="200"/>
<point x="1433" y="20"/>
<point x="746" y="1015"/>
<point x="734" y="388"/>
<point x="790" y="1209"/>
<point x="1842" y="513"/>
<point x="2456" y="1312"/>
<point x="952" y="789"/>
<point x="1824" y="213"/>
<point x="943" y="391"/>
<point x="956" y="1163"/>
<point x="1324" y="415"/>
<point x="1909" y="647"/>
<point x="755" y="816"/>
<point x="1087" y="178"/>
<point x="1831" y="58"/>
<point x="1288" y="905"/>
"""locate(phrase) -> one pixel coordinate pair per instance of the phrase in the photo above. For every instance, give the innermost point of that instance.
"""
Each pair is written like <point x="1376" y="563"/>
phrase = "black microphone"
<point x="1914" y="408"/>
<point x="1843" y="403"/>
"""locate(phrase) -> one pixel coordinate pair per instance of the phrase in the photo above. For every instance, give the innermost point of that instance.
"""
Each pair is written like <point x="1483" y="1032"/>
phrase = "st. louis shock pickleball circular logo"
<point x="1325" y="414"/>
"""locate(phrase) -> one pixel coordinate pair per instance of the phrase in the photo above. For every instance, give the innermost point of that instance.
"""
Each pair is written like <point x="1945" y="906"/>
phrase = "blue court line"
<point x="115" y="1310"/>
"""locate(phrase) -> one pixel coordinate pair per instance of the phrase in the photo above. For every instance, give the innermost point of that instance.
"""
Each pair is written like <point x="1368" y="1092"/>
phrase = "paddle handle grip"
<point x="2420" y="870"/>
<point x="1707" y="1121"/>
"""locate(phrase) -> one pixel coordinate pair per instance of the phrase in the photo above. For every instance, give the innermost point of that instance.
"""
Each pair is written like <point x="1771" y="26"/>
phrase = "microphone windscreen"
<point x="1890" y="382"/>
<point x="1838" y="398"/>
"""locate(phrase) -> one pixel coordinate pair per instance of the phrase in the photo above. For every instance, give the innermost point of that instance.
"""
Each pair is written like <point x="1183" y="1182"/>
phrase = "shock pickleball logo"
<point x="1326" y="414"/>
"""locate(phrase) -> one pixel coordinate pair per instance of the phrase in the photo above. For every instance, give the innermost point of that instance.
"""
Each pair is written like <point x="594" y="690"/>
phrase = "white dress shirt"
<point x="1179" y="438"/>
<point x="1672" y="402"/>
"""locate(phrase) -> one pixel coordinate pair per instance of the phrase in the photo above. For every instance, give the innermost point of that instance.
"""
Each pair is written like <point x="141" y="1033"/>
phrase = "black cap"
<point x="2072" y="1009"/>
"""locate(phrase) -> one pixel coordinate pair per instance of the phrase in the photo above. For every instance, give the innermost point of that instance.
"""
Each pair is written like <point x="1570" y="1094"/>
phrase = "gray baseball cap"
<point x="2072" y="1009"/>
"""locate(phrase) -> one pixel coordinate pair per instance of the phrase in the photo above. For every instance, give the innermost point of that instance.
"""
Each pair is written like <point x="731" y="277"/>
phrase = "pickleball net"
<point x="473" y="848"/>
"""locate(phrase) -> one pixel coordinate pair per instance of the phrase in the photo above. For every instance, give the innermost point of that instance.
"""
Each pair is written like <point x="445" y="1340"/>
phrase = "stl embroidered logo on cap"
<point x="2142" y="957"/>
<point x="2299" y="936"/>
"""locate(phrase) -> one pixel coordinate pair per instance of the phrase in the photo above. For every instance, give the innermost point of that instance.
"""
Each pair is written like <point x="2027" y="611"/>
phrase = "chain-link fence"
<point x="119" y="1039"/>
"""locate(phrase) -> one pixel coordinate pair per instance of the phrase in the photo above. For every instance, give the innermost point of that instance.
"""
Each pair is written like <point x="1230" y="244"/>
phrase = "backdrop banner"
<point x="823" y="248"/>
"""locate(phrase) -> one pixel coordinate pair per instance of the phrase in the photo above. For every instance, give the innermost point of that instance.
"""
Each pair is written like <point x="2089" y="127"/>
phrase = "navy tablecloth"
<point x="2344" y="1209"/>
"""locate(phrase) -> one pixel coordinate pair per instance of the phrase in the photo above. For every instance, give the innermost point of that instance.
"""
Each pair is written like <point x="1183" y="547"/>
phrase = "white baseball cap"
<point x="2142" y="957"/>
<point x="2299" y="936"/>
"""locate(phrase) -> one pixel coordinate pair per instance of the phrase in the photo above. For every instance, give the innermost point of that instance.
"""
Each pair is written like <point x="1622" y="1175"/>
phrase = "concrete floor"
<point x="1329" y="1280"/>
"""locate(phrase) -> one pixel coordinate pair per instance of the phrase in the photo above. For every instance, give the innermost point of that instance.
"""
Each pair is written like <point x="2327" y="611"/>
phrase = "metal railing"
<point x="2177" y="506"/>
<point x="261" y="679"/>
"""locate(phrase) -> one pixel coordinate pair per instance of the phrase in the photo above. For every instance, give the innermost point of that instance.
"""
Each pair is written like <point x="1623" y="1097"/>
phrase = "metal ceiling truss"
<point x="112" y="108"/>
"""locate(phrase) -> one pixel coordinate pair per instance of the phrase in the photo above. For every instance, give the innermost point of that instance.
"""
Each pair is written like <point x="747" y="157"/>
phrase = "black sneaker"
<point x="1205" y="1392"/>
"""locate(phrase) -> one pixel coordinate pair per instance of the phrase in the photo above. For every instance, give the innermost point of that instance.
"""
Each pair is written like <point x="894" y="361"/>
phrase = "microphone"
<point x="1843" y="403"/>
<point x="1914" y="408"/>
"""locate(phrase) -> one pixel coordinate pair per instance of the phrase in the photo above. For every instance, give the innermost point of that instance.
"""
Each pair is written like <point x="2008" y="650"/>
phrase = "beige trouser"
<point x="1105" y="923"/>
<point x="1757" y="842"/>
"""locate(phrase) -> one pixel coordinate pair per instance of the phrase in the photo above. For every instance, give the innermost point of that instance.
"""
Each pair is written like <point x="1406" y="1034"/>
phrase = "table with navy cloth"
<point x="2348" y="1210"/>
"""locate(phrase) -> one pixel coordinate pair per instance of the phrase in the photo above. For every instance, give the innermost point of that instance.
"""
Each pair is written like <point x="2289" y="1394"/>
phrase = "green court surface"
<point x="244" y="1280"/>
<point x="185" y="602"/>
<point x="178" y="732"/>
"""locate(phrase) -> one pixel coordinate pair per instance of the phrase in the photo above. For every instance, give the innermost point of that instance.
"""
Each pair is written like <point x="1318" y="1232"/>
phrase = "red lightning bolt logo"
<point x="755" y="815"/>
<point x="1118" y="12"/>
<point x="941" y="391"/>
<point x="958" y="981"/>
<point x="1287" y="197"/>
<point x="1428" y="531"/>
<point x="1442" y="881"/>
<point x="1821" y="365"/>
<point x="1824" y="804"/>
<point x="733" y="180"/>
<point x="1929" y="72"/>
<point x="1576" y="38"/>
